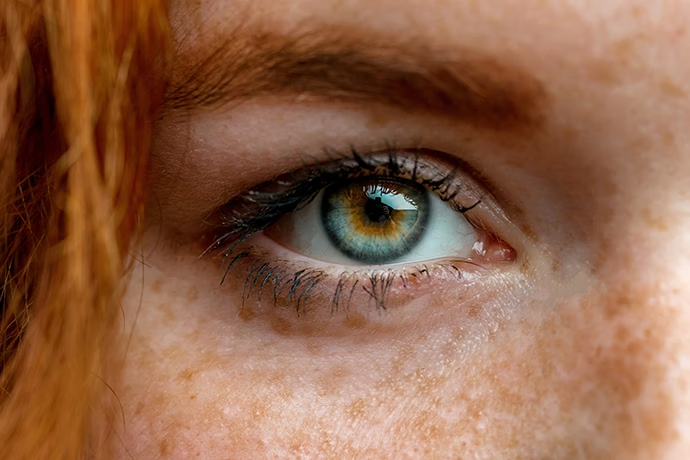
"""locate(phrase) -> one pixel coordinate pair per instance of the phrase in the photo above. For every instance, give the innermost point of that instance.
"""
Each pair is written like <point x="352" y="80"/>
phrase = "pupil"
<point x="377" y="211"/>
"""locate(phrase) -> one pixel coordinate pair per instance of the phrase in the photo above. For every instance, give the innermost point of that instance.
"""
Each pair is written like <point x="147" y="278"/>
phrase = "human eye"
<point x="370" y="226"/>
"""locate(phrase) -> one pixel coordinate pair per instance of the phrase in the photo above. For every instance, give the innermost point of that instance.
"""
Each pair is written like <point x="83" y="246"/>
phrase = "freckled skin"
<point x="580" y="351"/>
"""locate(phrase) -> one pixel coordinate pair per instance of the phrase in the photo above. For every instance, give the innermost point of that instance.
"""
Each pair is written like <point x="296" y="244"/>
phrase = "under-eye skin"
<point x="378" y="225"/>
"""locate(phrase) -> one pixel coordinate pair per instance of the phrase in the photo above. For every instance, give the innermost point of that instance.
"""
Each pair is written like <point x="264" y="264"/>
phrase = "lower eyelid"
<point x="270" y="275"/>
<point x="260" y="271"/>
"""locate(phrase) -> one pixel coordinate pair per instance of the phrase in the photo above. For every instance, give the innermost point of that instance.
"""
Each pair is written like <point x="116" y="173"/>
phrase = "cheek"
<point x="574" y="378"/>
<point x="595" y="378"/>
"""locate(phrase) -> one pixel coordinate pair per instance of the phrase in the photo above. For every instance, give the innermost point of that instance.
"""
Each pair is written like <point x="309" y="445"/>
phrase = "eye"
<point x="376" y="221"/>
<point x="360" y="227"/>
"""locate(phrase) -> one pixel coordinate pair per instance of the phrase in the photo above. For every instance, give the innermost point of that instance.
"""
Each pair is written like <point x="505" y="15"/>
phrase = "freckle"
<point x="641" y="143"/>
<point x="296" y="448"/>
<point x="356" y="409"/>
<point x="156" y="286"/>
<point x="313" y="348"/>
<point x="186" y="375"/>
<point x="192" y="397"/>
<point x="308" y="329"/>
<point x="286" y="394"/>
<point x="355" y="321"/>
<point x="246" y="314"/>
<point x="398" y="362"/>
<point x="426" y="430"/>
<point x="476" y="408"/>
<point x="282" y="303"/>
<point x="668" y="138"/>
<point x="164" y="307"/>
<point x="529" y="233"/>
<point x="427" y="384"/>
<point x="604" y="73"/>
<point x="653" y="221"/>
<point x="340" y="372"/>
<point x="419" y="339"/>
<point x="140" y="407"/>
<point x="555" y="265"/>
<point x="192" y="294"/>
<point x="449" y="349"/>
<point x="164" y="447"/>
<point x="671" y="89"/>
<point x="623" y="48"/>
<point x="569" y="134"/>
<point x="281" y="326"/>
<point x="637" y="12"/>
<point x="258" y="410"/>
<point x="459" y="334"/>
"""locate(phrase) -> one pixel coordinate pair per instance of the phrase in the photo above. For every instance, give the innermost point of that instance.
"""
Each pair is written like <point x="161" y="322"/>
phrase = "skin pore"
<point x="574" y="114"/>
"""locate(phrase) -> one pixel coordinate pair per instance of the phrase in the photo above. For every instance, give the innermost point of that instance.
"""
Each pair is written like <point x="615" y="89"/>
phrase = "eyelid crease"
<point x="354" y="65"/>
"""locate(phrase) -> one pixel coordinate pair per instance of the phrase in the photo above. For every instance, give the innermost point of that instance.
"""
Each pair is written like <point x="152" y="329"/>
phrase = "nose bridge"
<point x="646" y="361"/>
<point x="645" y="304"/>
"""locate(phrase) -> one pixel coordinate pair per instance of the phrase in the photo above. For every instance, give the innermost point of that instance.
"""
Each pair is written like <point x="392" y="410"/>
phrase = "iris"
<point x="375" y="220"/>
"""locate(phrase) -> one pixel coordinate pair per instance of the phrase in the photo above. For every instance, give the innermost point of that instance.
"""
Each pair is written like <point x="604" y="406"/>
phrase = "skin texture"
<point x="578" y="349"/>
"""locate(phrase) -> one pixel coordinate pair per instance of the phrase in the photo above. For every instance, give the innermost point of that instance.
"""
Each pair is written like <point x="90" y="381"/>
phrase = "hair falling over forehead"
<point x="78" y="88"/>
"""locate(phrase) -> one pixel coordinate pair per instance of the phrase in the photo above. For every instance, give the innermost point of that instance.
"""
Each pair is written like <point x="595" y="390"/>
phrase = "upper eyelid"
<point x="315" y="178"/>
<point x="237" y="244"/>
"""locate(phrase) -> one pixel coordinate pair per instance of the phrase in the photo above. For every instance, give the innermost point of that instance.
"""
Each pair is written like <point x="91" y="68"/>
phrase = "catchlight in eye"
<point x="366" y="225"/>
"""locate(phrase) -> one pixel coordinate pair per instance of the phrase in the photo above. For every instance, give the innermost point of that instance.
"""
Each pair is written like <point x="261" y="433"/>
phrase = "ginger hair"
<point x="80" y="83"/>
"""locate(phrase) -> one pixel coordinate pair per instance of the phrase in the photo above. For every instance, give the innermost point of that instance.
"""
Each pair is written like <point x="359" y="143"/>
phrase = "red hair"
<point x="80" y="83"/>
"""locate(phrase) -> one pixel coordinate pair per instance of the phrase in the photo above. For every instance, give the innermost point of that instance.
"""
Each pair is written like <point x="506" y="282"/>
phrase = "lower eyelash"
<point x="294" y="285"/>
<point x="259" y="273"/>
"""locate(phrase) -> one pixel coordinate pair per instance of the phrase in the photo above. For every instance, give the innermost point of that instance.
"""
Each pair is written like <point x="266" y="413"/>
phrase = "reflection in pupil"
<point x="377" y="211"/>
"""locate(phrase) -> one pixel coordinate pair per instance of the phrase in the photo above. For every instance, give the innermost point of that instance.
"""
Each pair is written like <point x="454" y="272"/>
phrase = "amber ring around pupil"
<point x="375" y="220"/>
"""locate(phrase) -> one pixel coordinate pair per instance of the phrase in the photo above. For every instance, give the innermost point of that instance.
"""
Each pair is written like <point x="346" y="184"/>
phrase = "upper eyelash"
<point x="261" y="207"/>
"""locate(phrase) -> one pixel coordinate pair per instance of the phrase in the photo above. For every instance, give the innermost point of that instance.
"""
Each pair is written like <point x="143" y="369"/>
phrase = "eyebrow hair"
<point x="355" y="67"/>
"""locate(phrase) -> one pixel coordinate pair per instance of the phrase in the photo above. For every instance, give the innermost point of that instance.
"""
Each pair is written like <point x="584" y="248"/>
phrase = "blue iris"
<point x="375" y="220"/>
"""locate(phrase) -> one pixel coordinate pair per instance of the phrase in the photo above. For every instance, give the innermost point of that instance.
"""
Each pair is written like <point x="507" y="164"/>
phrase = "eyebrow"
<point x="352" y="66"/>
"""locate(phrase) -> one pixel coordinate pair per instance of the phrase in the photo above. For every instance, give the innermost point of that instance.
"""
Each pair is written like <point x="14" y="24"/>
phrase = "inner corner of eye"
<point x="384" y="221"/>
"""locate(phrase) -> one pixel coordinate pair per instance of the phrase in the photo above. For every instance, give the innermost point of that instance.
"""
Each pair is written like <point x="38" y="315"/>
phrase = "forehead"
<point x="526" y="23"/>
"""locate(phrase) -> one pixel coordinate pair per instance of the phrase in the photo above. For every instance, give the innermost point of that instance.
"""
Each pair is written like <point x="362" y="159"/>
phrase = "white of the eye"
<point x="448" y="234"/>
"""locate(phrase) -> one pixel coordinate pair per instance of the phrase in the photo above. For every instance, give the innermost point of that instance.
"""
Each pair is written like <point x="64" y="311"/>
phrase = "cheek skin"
<point x="582" y="378"/>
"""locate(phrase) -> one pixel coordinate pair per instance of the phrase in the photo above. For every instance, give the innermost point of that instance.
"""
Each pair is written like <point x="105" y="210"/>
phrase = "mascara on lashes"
<point x="261" y="207"/>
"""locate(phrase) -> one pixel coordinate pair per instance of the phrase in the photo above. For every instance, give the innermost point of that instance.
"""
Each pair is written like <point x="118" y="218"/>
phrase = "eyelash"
<point x="258" y="209"/>
<point x="300" y="283"/>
